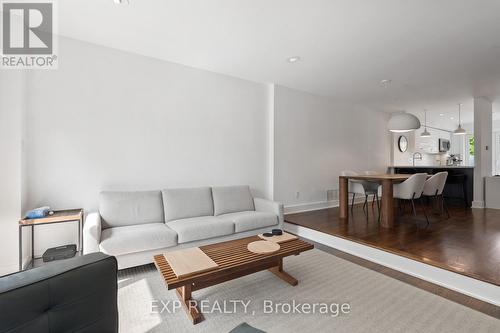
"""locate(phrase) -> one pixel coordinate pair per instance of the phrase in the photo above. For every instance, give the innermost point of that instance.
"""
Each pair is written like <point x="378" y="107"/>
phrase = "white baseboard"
<point x="478" y="204"/>
<point x="310" y="206"/>
<point x="475" y="288"/>
<point x="305" y="207"/>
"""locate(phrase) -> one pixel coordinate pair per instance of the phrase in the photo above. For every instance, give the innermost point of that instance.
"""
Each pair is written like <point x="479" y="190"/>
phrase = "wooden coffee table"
<point x="234" y="261"/>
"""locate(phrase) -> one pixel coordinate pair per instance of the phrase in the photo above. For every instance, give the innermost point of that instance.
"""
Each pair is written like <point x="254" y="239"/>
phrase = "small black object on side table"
<point x="61" y="216"/>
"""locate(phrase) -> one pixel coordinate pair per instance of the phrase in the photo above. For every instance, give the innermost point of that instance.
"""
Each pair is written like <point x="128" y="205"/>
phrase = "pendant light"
<point x="403" y="122"/>
<point x="425" y="133"/>
<point x="459" y="130"/>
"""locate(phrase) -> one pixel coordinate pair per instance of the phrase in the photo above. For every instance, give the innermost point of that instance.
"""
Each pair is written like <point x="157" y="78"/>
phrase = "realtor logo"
<point x="28" y="35"/>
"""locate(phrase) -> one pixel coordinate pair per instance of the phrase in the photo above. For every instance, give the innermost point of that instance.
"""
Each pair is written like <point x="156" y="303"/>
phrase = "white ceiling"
<point x="446" y="116"/>
<point x="437" y="53"/>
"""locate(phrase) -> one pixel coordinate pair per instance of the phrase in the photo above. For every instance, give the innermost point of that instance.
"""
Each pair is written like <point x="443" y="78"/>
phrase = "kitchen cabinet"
<point x="459" y="185"/>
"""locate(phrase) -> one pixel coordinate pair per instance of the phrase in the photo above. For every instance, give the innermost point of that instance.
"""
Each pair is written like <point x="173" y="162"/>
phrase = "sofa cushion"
<point x="244" y="221"/>
<point x="232" y="199"/>
<point x="203" y="227"/>
<point x="181" y="203"/>
<point x="121" y="208"/>
<point x="137" y="238"/>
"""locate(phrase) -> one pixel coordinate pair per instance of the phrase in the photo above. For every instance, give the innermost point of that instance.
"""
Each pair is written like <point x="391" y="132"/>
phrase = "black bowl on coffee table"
<point x="277" y="232"/>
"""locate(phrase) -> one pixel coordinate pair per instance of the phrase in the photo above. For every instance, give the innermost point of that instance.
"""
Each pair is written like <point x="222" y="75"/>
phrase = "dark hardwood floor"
<point x="467" y="243"/>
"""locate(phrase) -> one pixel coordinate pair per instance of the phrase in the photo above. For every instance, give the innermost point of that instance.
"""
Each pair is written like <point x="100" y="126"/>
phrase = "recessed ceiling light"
<point x="452" y="118"/>
<point x="293" y="59"/>
<point x="441" y="114"/>
<point x="385" y="82"/>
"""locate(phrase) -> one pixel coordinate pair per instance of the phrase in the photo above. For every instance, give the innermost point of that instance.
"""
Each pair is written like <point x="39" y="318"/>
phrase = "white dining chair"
<point x="411" y="190"/>
<point x="434" y="187"/>
<point x="374" y="187"/>
<point x="359" y="187"/>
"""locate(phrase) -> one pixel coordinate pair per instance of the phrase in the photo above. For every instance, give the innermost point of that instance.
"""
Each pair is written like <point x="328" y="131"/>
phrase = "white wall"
<point x="483" y="132"/>
<point x="12" y="97"/>
<point x="495" y="147"/>
<point x="106" y="119"/>
<point x="112" y="120"/>
<point x="316" y="138"/>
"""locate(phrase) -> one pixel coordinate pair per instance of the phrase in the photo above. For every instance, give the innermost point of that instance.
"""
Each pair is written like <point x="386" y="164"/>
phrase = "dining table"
<point x="387" y="214"/>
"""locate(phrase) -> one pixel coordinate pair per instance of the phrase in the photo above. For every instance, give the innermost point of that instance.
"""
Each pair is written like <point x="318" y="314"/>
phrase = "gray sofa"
<point x="62" y="296"/>
<point x="134" y="226"/>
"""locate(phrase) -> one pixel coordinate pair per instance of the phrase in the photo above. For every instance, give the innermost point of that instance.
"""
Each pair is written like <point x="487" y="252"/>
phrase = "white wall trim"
<point x="475" y="288"/>
<point x="310" y="206"/>
<point x="478" y="204"/>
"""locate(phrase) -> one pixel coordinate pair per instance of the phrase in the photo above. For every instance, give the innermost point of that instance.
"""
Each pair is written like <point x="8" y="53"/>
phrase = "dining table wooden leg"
<point x="387" y="218"/>
<point x="344" y="197"/>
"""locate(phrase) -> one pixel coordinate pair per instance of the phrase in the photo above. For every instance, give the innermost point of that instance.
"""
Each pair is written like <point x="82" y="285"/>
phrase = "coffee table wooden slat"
<point x="234" y="261"/>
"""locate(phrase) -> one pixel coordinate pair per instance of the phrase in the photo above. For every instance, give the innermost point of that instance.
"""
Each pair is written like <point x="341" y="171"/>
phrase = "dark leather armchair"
<point x="73" y="295"/>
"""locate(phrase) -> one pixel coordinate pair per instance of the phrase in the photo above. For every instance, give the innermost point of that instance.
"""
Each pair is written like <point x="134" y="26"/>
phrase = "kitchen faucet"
<point x="416" y="156"/>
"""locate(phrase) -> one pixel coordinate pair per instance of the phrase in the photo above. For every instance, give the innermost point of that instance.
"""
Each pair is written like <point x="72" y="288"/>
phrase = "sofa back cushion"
<point x="181" y="203"/>
<point x="232" y="199"/>
<point x="121" y="208"/>
<point x="73" y="295"/>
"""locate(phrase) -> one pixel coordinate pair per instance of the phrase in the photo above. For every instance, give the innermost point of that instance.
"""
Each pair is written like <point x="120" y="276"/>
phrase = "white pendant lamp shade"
<point x="425" y="133"/>
<point x="459" y="130"/>
<point x="403" y="122"/>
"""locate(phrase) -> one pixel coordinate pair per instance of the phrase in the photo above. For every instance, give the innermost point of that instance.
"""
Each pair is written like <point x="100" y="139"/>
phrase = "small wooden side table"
<point x="59" y="216"/>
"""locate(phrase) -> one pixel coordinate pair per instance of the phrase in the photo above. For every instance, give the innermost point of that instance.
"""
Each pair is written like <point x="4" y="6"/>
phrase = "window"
<point x="469" y="150"/>
<point x="471" y="146"/>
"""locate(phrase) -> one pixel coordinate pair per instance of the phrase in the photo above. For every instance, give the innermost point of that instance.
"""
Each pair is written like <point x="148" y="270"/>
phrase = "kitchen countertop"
<point x="433" y="166"/>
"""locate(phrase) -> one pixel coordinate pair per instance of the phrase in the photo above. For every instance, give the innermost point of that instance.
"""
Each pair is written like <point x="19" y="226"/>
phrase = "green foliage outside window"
<point x="471" y="146"/>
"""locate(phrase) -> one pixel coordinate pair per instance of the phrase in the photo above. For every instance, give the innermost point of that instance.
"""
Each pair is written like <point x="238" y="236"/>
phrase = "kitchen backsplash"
<point x="428" y="147"/>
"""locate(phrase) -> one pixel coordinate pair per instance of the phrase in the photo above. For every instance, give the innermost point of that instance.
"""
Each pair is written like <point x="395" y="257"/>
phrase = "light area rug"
<point x="378" y="303"/>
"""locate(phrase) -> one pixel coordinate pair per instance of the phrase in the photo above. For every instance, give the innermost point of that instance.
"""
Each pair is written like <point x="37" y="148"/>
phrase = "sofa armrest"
<point x="92" y="233"/>
<point x="264" y="205"/>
